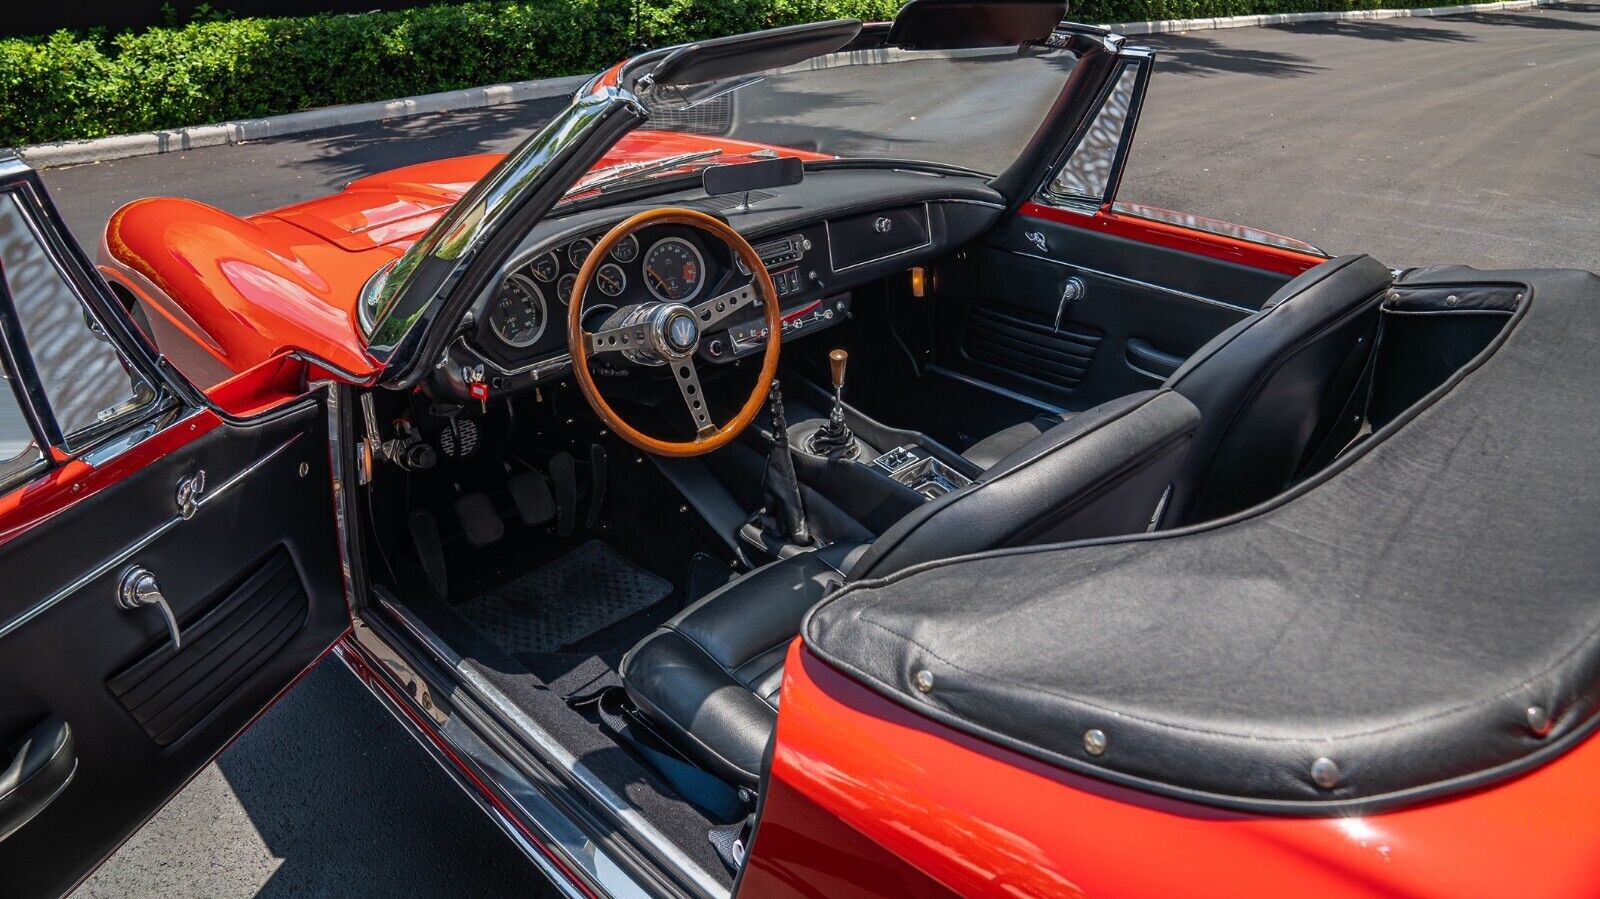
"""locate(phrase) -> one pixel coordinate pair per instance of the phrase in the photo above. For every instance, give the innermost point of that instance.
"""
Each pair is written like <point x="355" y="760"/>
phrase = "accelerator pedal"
<point x="564" y="480"/>
<point x="480" y="521"/>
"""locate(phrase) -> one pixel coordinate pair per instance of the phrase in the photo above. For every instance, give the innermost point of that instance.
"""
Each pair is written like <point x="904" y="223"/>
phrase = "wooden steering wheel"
<point x="669" y="333"/>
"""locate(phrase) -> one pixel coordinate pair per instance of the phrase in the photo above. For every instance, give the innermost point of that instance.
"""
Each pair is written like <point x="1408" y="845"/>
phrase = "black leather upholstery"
<point x="994" y="447"/>
<point x="709" y="677"/>
<point x="1271" y="388"/>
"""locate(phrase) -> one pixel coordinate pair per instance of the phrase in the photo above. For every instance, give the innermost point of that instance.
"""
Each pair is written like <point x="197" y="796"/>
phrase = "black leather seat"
<point x="1275" y="391"/>
<point x="708" y="678"/>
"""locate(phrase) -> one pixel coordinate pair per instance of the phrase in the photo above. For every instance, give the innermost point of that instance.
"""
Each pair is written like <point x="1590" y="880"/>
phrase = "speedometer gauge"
<point x="674" y="270"/>
<point x="519" y="314"/>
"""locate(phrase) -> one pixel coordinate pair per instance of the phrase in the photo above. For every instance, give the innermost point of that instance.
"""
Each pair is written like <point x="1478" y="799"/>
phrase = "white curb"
<point x="151" y="143"/>
<point x="1172" y="25"/>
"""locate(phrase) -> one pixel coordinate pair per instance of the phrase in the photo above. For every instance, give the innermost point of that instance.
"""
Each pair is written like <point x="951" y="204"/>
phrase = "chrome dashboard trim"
<point x="490" y="696"/>
<point x="139" y="544"/>
<point x="927" y="222"/>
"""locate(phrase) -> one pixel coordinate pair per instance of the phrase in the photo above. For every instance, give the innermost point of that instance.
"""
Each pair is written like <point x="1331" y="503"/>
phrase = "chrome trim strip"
<point x="1135" y="282"/>
<point x="927" y="224"/>
<point x="490" y="695"/>
<point x="468" y="744"/>
<point x="138" y="545"/>
<point x="997" y="389"/>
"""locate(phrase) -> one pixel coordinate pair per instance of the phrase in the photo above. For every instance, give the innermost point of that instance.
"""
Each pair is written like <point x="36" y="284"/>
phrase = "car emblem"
<point x="883" y="225"/>
<point x="1037" y="239"/>
<point x="682" y="333"/>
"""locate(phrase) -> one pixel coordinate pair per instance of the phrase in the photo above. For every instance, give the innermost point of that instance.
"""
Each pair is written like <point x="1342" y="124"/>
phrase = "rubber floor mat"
<point x="564" y="601"/>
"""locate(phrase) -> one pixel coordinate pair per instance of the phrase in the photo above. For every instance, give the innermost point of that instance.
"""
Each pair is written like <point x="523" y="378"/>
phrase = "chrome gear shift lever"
<point x="834" y="439"/>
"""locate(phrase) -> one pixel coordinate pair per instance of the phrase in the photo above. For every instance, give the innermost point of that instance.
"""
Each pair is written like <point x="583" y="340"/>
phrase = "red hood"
<point x="285" y="280"/>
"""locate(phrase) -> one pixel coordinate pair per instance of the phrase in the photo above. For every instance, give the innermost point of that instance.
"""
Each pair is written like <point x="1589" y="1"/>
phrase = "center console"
<point x="915" y="466"/>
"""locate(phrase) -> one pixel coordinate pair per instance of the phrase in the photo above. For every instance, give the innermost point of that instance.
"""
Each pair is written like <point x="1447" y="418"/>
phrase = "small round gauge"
<point x="564" y="288"/>
<point x="674" y="270"/>
<point x="611" y="280"/>
<point x="545" y="268"/>
<point x="626" y="250"/>
<point x="518" y="315"/>
<point x="578" y="250"/>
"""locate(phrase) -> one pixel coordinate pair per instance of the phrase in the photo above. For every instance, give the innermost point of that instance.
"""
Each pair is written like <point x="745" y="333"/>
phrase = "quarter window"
<point x="1086" y="175"/>
<point x="86" y="379"/>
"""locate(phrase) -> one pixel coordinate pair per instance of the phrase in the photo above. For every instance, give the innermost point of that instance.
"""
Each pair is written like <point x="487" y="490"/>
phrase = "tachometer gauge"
<point x="626" y="250"/>
<point x="611" y="280"/>
<point x="564" y="288"/>
<point x="518" y="315"/>
<point x="579" y="250"/>
<point x="545" y="268"/>
<point x="674" y="270"/>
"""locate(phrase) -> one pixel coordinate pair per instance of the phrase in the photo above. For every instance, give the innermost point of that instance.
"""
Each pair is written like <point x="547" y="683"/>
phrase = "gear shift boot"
<point x="834" y="439"/>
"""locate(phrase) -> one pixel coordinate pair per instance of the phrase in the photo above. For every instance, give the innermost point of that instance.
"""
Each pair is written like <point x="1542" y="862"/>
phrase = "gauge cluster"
<point x="525" y="320"/>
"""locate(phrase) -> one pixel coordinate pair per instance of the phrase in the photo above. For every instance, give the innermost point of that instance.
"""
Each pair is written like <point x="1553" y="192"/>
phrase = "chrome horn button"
<point x="677" y="331"/>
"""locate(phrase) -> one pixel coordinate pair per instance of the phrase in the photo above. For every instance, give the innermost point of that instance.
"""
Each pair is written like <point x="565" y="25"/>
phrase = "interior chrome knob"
<point x="138" y="589"/>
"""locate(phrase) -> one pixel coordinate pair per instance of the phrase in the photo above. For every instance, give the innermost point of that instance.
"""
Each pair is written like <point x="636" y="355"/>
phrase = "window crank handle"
<point x="139" y="589"/>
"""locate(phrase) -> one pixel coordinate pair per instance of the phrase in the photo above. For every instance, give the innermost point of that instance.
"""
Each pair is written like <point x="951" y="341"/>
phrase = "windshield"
<point x="975" y="109"/>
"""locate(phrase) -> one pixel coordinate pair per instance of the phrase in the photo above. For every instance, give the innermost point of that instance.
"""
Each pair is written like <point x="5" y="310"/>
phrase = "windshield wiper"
<point x="634" y="172"/>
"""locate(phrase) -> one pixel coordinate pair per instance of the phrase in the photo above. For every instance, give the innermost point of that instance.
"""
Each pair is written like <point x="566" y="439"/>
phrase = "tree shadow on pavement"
<point x="1546" y="22"/>
<point x="1392" y="30"/>
<point x="1193" y="54"/>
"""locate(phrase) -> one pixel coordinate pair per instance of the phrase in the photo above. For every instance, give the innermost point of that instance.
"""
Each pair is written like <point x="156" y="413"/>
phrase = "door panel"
<point x="1074" y="317"/>
<point x="252" y="577"/>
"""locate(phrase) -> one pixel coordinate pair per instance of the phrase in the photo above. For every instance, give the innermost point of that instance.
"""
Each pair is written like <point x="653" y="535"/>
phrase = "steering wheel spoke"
<point x="615" y="340"/>
<point x="714" y="311"/>
<point x="688" y="379"/>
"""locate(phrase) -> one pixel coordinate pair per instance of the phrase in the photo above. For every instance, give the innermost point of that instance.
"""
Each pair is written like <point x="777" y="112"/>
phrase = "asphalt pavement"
<point x="1470" y="139"/>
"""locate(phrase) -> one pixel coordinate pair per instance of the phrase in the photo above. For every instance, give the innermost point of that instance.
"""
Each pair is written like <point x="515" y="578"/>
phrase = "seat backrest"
<point x="1274" y="389"/>
<point x="1101" y="473"/>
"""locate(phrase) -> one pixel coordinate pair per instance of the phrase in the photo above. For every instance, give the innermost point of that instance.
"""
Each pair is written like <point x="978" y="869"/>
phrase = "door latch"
<point x="139" y="589"/>
<point x="190" y="487"/>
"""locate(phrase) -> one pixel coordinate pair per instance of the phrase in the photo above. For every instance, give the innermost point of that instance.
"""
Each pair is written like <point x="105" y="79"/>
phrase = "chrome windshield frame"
<point x="398" y="303"/>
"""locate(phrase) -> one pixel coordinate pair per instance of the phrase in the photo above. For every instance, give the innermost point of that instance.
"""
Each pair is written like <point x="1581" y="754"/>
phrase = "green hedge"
<point x="68" y="86"/>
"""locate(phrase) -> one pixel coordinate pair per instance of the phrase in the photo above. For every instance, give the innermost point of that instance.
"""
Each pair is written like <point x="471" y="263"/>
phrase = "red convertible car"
<point x="1085" y="550"/>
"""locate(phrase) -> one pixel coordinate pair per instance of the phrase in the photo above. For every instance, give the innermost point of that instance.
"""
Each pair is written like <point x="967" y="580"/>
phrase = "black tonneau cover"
<point x="1420" y="617"/>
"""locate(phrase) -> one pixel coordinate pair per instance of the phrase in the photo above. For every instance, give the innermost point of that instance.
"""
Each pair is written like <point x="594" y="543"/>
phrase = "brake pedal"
<point x="564" y="480"/>
<point x="530" y="491"/>
<point x="430" y="549"/>
<point x="597" y="485"/>
<point x="480" y="521"/>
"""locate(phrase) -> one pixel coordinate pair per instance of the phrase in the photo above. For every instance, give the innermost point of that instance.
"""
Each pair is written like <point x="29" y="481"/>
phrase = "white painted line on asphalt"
<point x="151" y="143"/>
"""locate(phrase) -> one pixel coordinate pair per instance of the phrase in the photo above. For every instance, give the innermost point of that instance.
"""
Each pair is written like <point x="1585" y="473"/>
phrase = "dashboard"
<point x="820" y="240"/>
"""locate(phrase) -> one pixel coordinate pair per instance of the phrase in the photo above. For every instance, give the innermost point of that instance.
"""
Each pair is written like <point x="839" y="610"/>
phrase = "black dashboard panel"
<point x="820" y="239"/>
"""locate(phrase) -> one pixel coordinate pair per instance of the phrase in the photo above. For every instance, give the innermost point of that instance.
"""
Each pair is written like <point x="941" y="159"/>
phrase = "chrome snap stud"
<point x="923" y="680"/>
<point x="1094" y="741"/>
<point x="1538" y="720"/>
<point x="1325" y="773"/>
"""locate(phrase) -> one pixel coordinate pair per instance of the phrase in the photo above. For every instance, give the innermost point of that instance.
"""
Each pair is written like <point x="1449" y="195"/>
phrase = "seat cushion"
<point x="1002" y="443"/>
<point x="709" y="677"/>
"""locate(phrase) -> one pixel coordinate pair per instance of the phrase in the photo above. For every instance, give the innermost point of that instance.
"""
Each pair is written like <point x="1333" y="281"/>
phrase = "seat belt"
<point x="706" y="791"/>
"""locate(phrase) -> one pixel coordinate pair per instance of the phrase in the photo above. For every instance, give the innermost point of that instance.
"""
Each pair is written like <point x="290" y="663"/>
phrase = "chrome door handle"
<point x="139" y="589"/>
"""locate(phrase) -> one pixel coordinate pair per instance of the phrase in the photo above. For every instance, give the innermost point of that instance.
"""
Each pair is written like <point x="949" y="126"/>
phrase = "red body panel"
<point x="245" y="291"/>
<point x="867" y="798"/>
<point x="1176" y="237"/>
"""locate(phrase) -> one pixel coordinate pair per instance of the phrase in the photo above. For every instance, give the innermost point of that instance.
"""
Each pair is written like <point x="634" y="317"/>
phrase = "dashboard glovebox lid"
<point x="1421" y="617"/>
